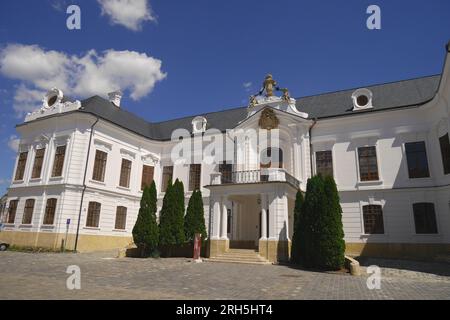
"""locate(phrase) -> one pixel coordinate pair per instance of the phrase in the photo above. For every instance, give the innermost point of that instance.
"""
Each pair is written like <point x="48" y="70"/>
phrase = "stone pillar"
<point x="223" y="234"/>
<point x="272" y="207"/>
<point x="276" y="246"/>
<point x="218" y="244"/>
<point x="263" y="217"/>
<point x="215" y="233"/>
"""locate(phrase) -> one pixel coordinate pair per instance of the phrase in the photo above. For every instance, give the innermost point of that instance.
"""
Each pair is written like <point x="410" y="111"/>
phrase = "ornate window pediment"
<point x="53" y="103"/>
<point x="103" y="146"/>
<point x="127" y="153"/>
<point x="150" y="158"/>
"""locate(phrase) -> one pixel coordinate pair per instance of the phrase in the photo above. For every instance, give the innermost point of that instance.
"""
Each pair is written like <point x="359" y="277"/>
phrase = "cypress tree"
<point x="165" y="235"/>
<point x="313" y="207"/>
<point x="145" y="231"/>
<point x="331" y="254"/>
<point x="297" y="240"/>
<point x="323" y="244"/>
<point x="171" y="225"/>
<point x="194" y="221"/>
<point x="179" y="212"/>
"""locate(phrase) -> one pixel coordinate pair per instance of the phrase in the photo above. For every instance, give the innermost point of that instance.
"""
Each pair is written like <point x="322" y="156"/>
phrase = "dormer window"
<point x="51" y="101"/>
<point x="362" y="99"/>
<point x="199" y="124"/>
<point x="53" y="96"/>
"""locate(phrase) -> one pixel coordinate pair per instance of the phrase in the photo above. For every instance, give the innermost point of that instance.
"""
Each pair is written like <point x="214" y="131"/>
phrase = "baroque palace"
<point x="82" y="165"/>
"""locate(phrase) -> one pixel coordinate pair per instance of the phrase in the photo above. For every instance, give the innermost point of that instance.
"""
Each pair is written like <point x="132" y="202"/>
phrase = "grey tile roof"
<point x="386" y="96"/>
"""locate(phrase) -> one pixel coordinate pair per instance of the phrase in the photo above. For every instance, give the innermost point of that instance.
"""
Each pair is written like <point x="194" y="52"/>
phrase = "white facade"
<point x="255" y="209"/>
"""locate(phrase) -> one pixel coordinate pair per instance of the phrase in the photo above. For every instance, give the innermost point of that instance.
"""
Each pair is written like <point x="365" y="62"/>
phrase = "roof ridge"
<point x="302" y="97"/>
<point x="200" y="114"/>
<point x="121" y="109"/>
<point x="369" y="86"/>
<point x="158" y="124"/>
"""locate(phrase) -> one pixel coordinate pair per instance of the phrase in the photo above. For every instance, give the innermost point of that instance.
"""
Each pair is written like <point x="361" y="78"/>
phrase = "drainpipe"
<point x="84" y="183"/>
<point x="310" y="146"/>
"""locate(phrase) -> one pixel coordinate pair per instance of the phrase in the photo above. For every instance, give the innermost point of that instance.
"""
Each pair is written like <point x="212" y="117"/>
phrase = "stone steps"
<point x="246" y="256"/>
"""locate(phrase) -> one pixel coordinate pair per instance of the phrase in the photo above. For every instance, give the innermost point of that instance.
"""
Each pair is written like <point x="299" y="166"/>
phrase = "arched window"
<point x="271" y="158"/>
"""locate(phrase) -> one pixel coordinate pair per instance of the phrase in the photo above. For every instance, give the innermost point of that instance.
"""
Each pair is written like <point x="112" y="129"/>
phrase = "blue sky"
<point x="212" y="54"/>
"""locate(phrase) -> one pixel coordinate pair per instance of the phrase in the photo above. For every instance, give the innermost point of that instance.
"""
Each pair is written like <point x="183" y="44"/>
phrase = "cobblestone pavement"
<point x="43" y="276"/>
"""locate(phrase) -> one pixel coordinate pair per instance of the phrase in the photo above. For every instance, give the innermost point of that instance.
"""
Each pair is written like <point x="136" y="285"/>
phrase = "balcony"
<point x="254" y="176"/>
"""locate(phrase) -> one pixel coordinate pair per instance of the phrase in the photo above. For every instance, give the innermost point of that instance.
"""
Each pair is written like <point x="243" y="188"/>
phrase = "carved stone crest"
<point x="268" y="119"/>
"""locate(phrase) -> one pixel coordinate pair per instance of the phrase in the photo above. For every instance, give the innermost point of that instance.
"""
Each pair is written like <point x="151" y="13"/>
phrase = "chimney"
<point x="115" y="97"/>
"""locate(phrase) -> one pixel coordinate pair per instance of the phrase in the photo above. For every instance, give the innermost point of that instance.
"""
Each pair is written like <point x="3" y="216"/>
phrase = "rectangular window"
<point x="373" y="219"/>
<point x="324" y="163"/>
<point x="21" y="163"/>
<point x="50" y="209"/>
<point x="38" y="161"/>
<point x="194" y="176"/>
<point x="28" y="212"/>
<point x="368" y="166"/>
<point x="167" y="177"/>
<point x="445" y="152"/>
<point x="99" y="166"/>
<point x="424" y="218"/>
<point x="416" y="156"/>
<point x="121" y="218"/>
<point x="125" y="173"/>
<point x="147" y="176"/>
<point x="93" y="216"/>
<point x="226" y="169"/>
<point x="12" y="211"/>
<point x="58" y="164"/>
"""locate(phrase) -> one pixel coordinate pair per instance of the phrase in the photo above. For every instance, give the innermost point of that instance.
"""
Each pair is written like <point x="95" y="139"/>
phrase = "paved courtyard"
<point x="43" y="276"/>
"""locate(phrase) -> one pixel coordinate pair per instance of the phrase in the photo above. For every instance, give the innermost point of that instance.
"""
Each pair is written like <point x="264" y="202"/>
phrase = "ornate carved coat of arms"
<point x="268" y="119"/>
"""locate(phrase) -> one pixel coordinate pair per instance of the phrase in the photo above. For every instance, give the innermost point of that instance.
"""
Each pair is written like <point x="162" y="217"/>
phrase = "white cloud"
<point x="59" y="5"/>
<point x="118" y="70"/>
<point x="26" y="99"/>
<point x="13" y="143"/>
<point x="38" y="70"/>
<point x="32" y="64"/>
<point x="4" y="182"/>
<point x="128" y="13"/>
<point x="247" y="86"/>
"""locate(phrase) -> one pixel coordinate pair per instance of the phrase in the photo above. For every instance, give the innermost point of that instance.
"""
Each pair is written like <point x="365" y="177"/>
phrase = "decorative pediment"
<point x="42" y="138"/>
<point x="102" y="145"/>
<point x="268" y="119"/>
<point x="266" y="98"/>
<point x="53" y="103"/>
<point x="127" y="153"/>
<point x="150" y="158"/>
